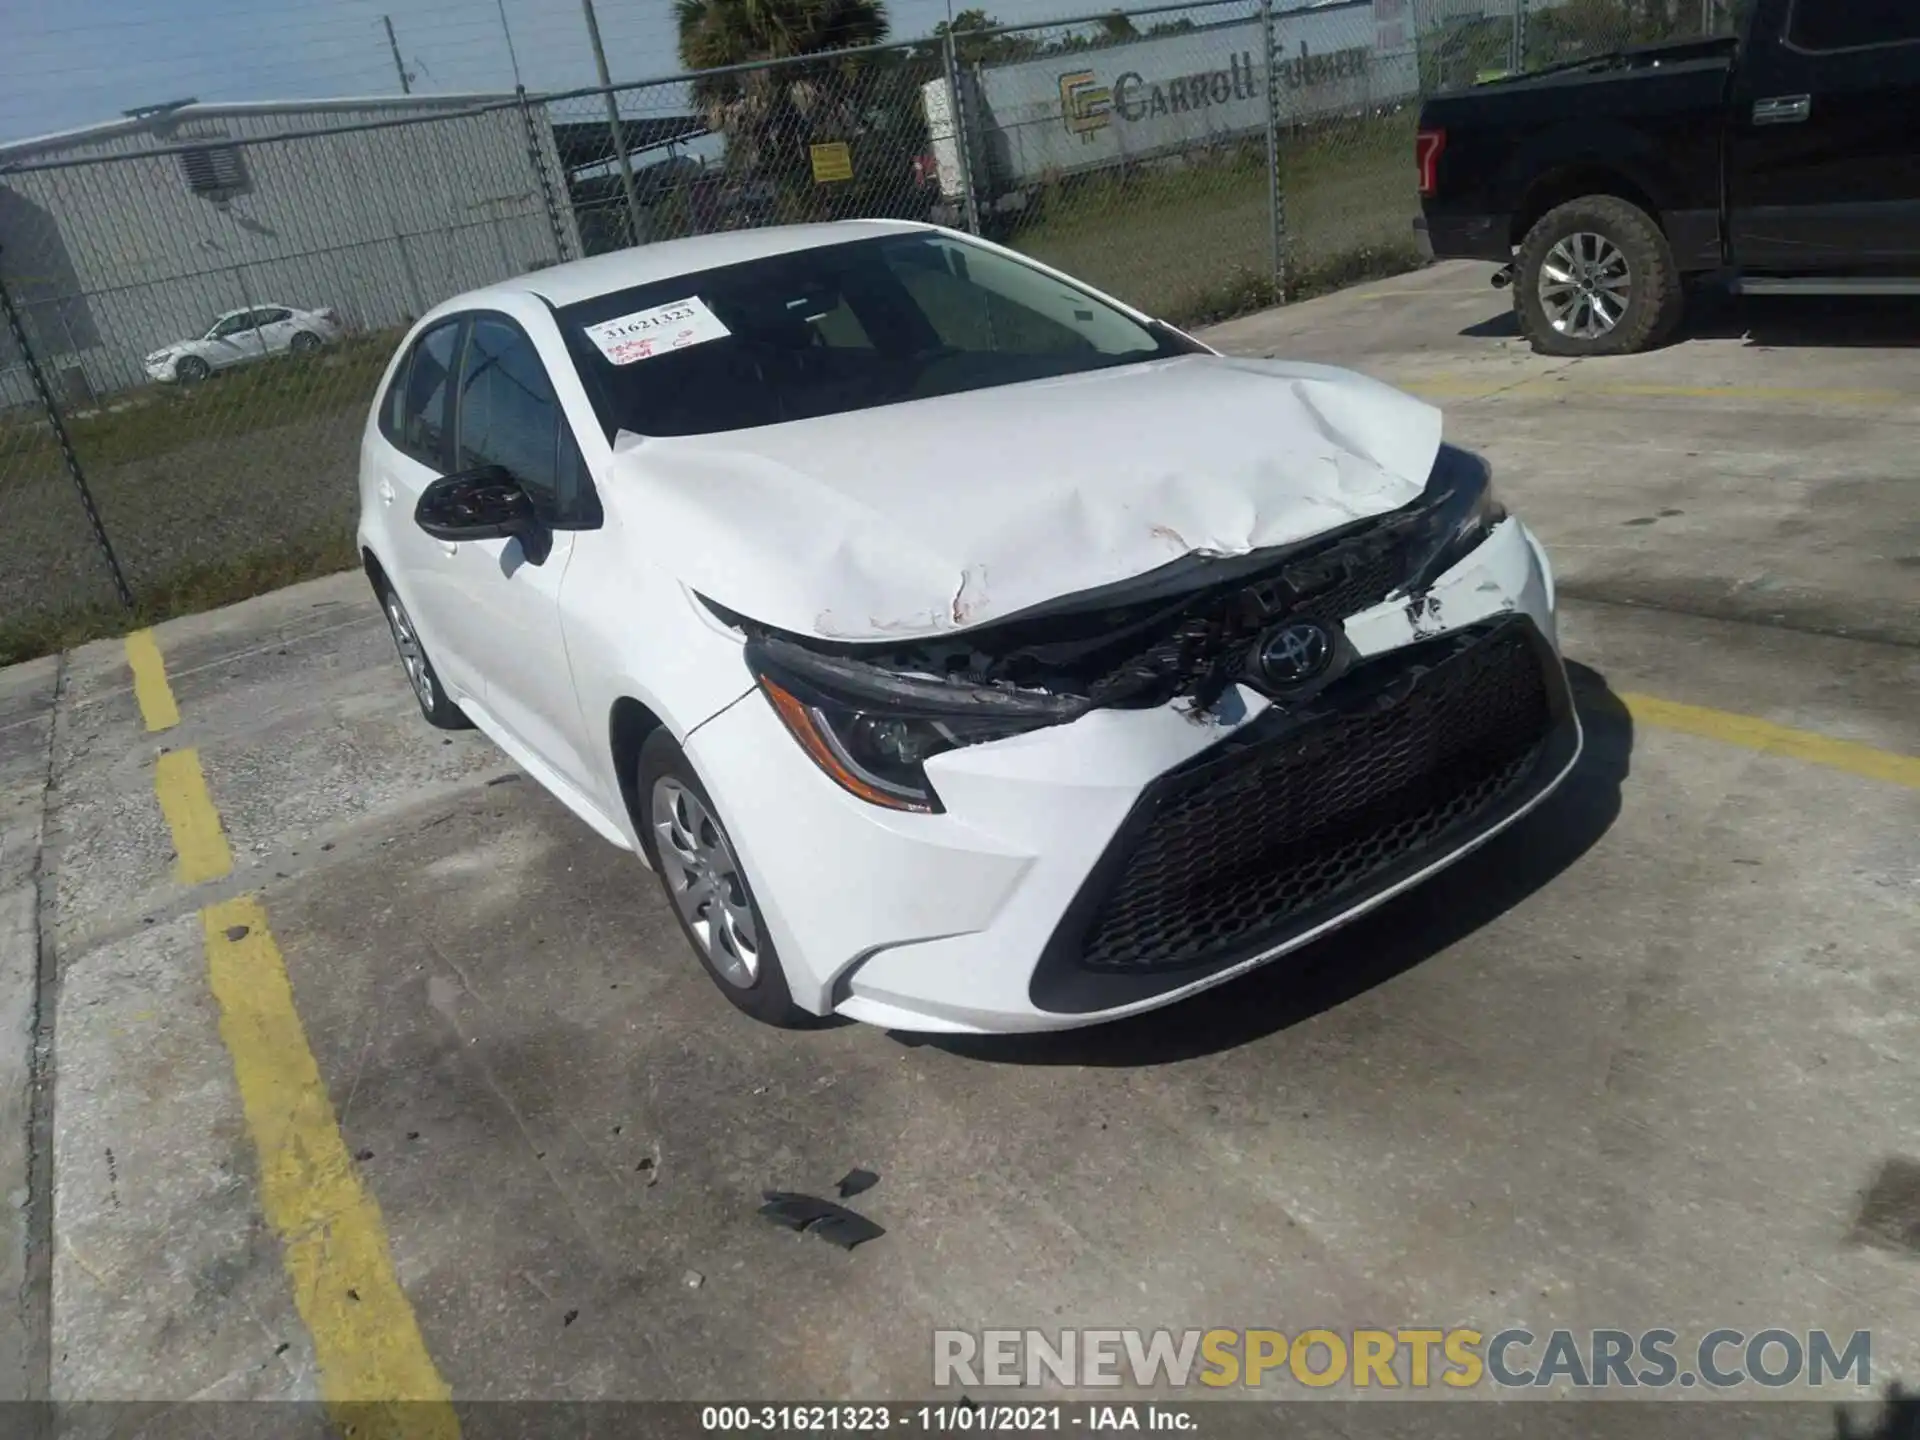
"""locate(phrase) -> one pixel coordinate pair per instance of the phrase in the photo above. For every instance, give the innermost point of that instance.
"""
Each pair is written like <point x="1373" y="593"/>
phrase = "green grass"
<point x="1193" y="242"/>
<point x="187" y="592"/>
<point x="219" y="491"/>
<point x="157" y="418"/>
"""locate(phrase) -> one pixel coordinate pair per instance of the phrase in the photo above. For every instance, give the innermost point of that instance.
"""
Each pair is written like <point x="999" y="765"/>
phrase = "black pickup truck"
<point x="1784" y="160"/>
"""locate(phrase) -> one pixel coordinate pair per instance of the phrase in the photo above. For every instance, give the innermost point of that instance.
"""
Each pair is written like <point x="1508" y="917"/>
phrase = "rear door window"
<point x="1853" y="24"/>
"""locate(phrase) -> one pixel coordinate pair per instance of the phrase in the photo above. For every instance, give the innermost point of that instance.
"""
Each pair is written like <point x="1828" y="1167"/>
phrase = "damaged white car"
<point x="964" y="649"/>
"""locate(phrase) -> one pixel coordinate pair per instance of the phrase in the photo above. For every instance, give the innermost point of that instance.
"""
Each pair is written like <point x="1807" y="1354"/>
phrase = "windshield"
<point x="839" y="328"/>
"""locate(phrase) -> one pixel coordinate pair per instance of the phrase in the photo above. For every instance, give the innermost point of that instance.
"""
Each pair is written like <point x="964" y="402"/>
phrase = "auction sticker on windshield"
<point x="647" y="333"/>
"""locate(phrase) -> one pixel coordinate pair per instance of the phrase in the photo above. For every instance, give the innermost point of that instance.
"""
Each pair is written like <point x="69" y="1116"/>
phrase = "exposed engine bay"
<point x="872" y="713"/>
<point x="1190" y="629"/>
<point x="1121" y="651"/>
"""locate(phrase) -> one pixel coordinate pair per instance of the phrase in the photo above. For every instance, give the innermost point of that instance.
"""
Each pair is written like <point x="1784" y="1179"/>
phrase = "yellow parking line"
<point x="200" y="848"/>
<point x="1753" y="734"/>
<point x="374" y="1366"/>
<point x="1443" y="387"/>
<point x="376" y="1377"/>
<point x="150" y="687"/>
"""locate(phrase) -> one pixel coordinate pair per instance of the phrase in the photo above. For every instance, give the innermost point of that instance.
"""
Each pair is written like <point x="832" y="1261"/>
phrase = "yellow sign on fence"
<point x="831" y="161"/>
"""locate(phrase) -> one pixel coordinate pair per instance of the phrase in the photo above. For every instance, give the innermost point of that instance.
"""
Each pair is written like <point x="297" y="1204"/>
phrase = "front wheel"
<point x="705" y="883"/>
<point x="1596" y="277"/>
<point x="191" y="369"/>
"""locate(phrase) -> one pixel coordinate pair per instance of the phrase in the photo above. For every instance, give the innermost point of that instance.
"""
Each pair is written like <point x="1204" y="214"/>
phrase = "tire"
<point x="1618" y="250"/>
<point x="422" y="678"/>
<point x="191" y="369"/>
<point x="726" y="930"/>
<point x="304" y="342"/>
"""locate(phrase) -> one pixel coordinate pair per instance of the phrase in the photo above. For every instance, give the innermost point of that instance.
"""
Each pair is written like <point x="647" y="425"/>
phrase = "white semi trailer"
<point x="1033" y="121"/>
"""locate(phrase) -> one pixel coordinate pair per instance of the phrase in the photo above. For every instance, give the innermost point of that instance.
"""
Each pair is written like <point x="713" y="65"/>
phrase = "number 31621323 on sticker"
<point x="646" y="333"/>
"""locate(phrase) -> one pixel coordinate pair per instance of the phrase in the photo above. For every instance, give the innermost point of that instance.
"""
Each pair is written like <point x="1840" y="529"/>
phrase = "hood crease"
<point x="932" y="516"/>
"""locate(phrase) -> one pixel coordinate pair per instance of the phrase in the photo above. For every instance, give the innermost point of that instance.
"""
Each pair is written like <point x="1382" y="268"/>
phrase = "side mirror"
<point x="483" y="504"/>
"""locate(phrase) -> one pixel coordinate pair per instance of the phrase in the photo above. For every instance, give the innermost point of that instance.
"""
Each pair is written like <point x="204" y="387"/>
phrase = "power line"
<point x="406" y="80"/>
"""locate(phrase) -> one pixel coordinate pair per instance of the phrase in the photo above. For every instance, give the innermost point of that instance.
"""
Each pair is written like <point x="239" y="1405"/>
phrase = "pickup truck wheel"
<point x="1596" y="277"/>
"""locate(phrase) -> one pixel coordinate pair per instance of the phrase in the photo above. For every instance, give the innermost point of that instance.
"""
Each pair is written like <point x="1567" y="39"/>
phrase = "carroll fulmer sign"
<point x="1168" y="93"/>
<point x="1086" y="104"/>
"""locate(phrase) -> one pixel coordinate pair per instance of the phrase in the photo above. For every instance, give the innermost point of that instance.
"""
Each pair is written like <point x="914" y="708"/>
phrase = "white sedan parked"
<point x="963" y="648"/>
<point x="242" y="335"/>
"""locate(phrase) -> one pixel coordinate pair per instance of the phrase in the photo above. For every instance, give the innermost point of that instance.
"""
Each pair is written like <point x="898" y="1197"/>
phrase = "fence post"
<point x="962" y="137"/>
<point x="417" y="302"/>
<point x="1519" y="37"/>
<point x="17" y="328"/>
<point x="537" y="157"/>
<point x="1276" y="192"/>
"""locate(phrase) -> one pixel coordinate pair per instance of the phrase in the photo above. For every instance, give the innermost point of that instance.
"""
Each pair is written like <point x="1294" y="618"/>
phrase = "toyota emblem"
<point x="1296" y="653"/>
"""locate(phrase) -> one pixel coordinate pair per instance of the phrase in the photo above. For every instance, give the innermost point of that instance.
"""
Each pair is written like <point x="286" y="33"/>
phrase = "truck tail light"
<point x="1427" y="150"/>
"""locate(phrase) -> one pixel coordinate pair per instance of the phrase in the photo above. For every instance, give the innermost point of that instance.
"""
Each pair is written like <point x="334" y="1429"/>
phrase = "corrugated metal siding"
<point x="113" y="259"/>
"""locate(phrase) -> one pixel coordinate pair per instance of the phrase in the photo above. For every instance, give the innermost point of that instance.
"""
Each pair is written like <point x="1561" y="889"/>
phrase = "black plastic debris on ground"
<point x="833" y="1223"/>
<point x="855" y="1181"/>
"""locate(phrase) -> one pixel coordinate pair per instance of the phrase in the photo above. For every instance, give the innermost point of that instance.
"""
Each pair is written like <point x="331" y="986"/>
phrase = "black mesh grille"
<point x="1248" y="843"/>
<point x="1368" y="580"/>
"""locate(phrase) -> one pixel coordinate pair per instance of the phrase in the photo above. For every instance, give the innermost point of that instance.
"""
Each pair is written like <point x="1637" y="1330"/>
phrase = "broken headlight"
<point x="872" y="730"/>
<point x="1460" y="510"/>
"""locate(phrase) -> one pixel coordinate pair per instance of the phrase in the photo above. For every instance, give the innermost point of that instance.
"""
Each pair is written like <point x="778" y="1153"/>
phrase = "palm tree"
<point x="771" y="115"/>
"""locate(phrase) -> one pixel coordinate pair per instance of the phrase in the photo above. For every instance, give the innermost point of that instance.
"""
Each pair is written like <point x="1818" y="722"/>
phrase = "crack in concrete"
<point x="36" y="1297"/>
<point x="1587" y="594"/>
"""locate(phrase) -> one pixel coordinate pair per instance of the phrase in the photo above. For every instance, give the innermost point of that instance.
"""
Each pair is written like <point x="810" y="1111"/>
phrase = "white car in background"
<point x="242" y="335"/>
<point x="964" y="649"/>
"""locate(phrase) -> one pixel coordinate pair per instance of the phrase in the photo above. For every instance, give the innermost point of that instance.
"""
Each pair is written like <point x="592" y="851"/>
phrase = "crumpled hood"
<point x="938" y="515"/>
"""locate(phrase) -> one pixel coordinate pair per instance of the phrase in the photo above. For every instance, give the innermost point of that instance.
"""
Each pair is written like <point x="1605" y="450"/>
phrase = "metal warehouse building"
<point x="122" y="237"/>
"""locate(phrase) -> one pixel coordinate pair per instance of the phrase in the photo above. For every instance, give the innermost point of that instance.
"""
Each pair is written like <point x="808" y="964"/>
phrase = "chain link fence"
<point x="200" y="301"/>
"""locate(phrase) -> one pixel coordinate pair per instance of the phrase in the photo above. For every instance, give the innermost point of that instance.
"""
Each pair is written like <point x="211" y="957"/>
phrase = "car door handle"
<point x="1783" y="110"/>
<point x="386" y="492"/>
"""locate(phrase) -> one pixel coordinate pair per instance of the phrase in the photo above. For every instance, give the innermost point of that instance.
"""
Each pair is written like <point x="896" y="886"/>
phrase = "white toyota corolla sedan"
<point x="964" y="649"/>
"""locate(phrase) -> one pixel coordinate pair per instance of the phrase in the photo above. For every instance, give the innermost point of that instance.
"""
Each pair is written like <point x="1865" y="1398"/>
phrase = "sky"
<point x="75" y="62"/>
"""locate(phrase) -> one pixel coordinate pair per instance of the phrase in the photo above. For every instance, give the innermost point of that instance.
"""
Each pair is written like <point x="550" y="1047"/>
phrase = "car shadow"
<point x="1768" y="321"/>
<point x="1372" y="950"/>
<point x="1898" y="1419"/>
<point x="1803" y="322"/>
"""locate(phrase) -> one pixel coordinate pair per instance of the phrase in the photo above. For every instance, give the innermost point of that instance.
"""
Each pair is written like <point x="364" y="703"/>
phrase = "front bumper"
<point x="999" y="915"/>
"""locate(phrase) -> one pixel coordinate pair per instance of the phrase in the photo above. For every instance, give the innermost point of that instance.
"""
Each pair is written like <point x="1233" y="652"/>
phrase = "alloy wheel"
<point x="704" y="879"/>
<point x="413" y="659"/>
<point x="1586" y="286"/>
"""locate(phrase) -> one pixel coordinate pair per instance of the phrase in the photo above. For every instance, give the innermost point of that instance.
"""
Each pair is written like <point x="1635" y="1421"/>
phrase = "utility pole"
<point x="614" y="127"/>
<point x="406" y="82"/>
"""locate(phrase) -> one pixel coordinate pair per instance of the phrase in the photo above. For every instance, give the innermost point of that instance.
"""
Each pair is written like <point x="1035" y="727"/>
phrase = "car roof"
<point x="578" y="280"/>
<point x="249" y="309"/>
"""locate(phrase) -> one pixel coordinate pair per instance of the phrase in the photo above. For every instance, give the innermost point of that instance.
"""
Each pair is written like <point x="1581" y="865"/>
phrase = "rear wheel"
<point x="304" y="343"/>
<point x="705" y="883"/>
<point x="1596" y="277"/>
<point x="440" y="711"/>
